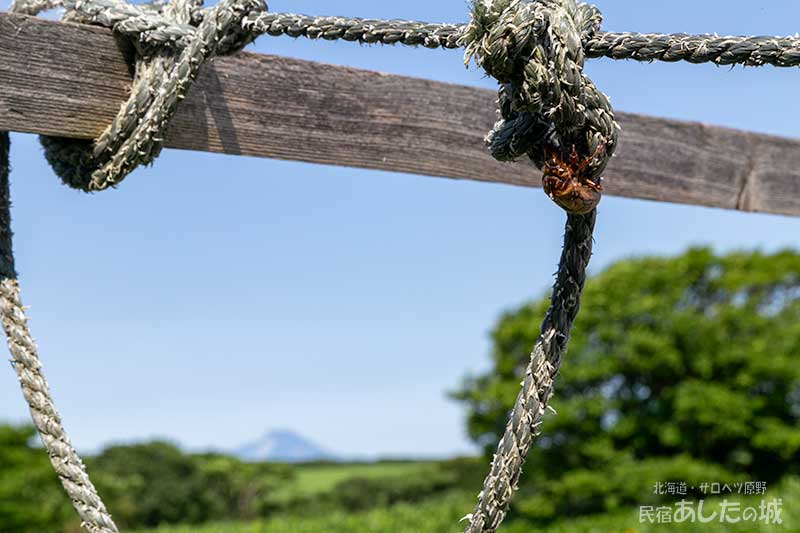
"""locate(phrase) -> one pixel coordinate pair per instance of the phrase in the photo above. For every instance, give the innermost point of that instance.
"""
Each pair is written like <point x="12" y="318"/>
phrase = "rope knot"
<point x="172" y="41"/>
<point x="549" y="109"/>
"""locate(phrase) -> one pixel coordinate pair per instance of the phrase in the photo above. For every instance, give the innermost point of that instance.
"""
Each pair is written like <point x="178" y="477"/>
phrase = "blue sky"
<point x="211" y="298"/>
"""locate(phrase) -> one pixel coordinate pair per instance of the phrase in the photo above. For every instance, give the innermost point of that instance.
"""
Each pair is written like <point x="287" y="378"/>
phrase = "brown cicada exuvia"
<point x="568" y="184"/>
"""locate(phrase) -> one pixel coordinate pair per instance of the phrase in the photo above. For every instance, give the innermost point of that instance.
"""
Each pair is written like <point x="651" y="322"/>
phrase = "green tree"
<point x="679" y="369"/>
<point x="143" y="485"/>
<point x="156" y="483"/>
<point x="31" y="498"/>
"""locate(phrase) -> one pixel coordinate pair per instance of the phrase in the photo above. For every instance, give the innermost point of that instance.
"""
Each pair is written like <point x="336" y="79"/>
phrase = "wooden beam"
<point x="69" y="80"/>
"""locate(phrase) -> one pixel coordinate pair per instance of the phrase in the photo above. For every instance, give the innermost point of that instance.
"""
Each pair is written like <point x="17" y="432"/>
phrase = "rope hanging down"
<point x="549" y="111"/>
<point x="524" y="423"/>
<point x="25" y="360"/>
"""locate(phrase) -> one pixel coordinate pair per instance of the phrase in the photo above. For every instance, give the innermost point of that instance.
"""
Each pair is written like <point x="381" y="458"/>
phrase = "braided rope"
<point x="25" y="360"/>
<point x="365" y="31"/>
<point x="777" y="51"/>
<point x="32" y="7"/>
<point x="140" y="22"/>
<point x="702" y="48"/>
<point x="524" y="423"/>
<point x="721" y="50"/>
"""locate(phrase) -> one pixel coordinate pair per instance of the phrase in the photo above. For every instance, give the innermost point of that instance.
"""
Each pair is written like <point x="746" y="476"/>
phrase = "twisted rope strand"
<point x="524" y="423"/>
<point x="25" y="360"/>
<point x="33" y="7"/>
<point x="721" y="50"/>
<point x="143" y="24"/>
<point x="366" y="31"/>
<point x="149" y="27"/>
<point x="701" y="48"/>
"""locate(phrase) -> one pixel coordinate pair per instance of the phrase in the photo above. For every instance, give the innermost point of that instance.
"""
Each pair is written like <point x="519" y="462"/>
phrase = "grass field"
<point x="312" y="480"/>
<point x="441" y="514"/>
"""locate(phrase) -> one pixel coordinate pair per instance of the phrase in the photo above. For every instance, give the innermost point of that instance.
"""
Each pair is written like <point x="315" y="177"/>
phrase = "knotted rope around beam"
<point x="535" y="51"/>
<point x="161" y="81"/>
<point x="135" y="136"/>
<point x="155" y="28"/>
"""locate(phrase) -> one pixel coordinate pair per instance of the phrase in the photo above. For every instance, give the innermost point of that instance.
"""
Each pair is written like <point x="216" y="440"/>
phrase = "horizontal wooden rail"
<point x="69" y="80"/>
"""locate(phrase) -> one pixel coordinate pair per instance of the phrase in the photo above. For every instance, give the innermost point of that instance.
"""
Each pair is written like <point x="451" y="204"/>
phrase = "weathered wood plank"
<point x="69" y="80"/>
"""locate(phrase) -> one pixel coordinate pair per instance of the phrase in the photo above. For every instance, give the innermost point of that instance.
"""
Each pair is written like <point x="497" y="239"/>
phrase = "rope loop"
<point x="172" y="41"/>
<point x="550" y="110"/>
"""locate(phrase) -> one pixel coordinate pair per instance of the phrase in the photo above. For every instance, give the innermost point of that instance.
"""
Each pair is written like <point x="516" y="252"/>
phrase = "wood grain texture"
<point x="69" y="80"/>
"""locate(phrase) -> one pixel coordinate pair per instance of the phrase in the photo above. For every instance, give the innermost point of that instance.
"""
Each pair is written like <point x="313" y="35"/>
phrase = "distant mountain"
<point x="282" y="446"/>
